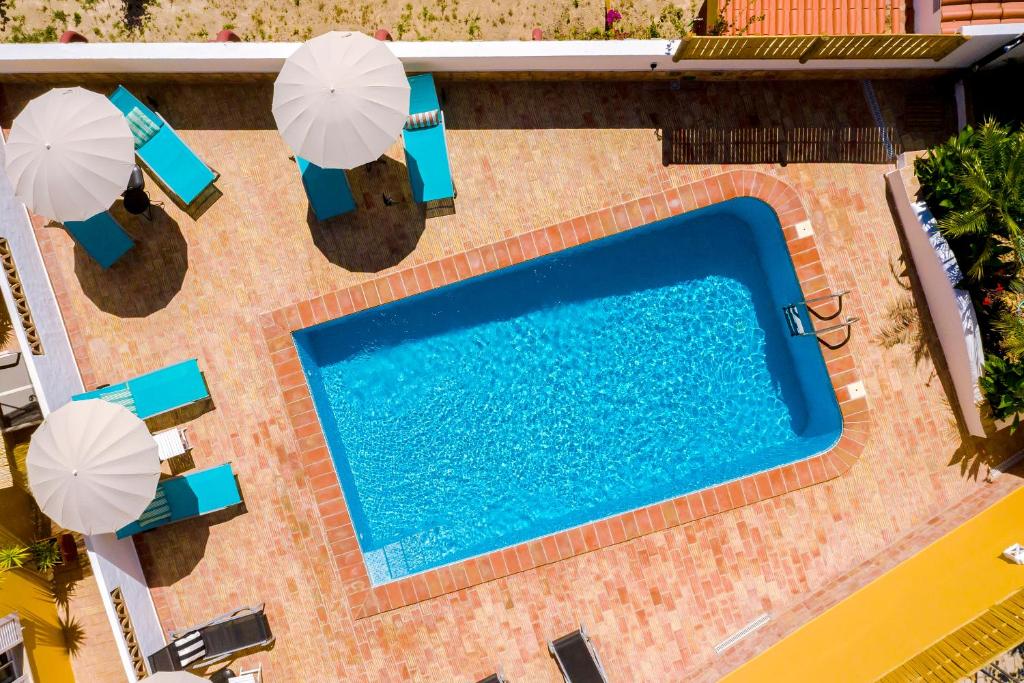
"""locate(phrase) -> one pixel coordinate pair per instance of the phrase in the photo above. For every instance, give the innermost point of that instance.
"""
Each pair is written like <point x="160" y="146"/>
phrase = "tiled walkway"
<point x="524" y="156"/>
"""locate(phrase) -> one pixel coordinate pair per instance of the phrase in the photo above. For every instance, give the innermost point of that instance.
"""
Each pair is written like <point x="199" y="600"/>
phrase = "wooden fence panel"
<point x="803" y="48"/>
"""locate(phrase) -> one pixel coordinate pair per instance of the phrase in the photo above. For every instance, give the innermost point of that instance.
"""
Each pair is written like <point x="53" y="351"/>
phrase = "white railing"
<point x="10" y="632"/>
<point x="596" y="56"/>
<point x="55" y="375"/>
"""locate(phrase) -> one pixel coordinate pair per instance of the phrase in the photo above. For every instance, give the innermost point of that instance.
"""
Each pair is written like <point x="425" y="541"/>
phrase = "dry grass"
<point x="286" y="20"/>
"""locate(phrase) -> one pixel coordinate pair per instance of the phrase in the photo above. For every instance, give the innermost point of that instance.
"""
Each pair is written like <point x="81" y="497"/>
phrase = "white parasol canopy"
<point x="69" y="154"/>
<point x="93" y="466"/>
<point x="341" y="100"/>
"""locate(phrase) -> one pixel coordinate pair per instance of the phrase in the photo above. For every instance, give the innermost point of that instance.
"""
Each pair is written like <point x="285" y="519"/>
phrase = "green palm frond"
<point x="967" y="222"/>
<point x="1011" y="329"/>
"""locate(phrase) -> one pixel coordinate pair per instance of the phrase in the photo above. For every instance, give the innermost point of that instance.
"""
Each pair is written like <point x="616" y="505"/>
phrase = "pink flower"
<point x="612" y="16"/>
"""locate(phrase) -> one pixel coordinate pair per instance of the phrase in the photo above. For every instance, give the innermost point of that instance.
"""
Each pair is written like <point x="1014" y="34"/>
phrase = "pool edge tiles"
<point x="366" y="599"/>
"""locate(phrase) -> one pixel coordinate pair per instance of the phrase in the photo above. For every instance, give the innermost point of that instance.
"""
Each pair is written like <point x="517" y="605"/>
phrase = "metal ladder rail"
<point x="796" y="325"/>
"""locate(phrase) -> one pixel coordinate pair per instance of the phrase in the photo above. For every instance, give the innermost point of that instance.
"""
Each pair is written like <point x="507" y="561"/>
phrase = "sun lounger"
<point x="172" y="442"/>
<point x="577" y="659"/>
<point x="327" y="190"/>
<point x="101" y="237"/>
<point x="169" y="159"/>
<point x="216" y="640"/>
<point x="493" y="678"/>
<point x="19" y="406"/>
<point x="426" y="150"/>
<point x="157" y="392"/>
<point x="248" y="676"/>
<point x="186" y="496"/>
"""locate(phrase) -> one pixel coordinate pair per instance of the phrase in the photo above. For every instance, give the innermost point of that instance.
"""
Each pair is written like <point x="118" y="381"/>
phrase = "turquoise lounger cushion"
<point x="422" y="94"/>
<point x="191" y="495"/>
<point x="168" y="388"/>
<point x="101" y="237"/>
<point x="156" y="392"/>
<point x="166" y="154"/>
<point x="426" y="156"/>
<point x="176" y="164"/>
<point x="426" y="150"/>
<point x="327" y="188"/>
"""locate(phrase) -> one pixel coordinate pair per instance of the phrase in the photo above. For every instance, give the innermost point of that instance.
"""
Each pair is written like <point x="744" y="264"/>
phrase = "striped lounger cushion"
<point x="122" y="397"/>
<point x="158" y="511"/>
<point x="190" y="648"/>
<point x="142" y="127"/>
<point x="424" y="119"/>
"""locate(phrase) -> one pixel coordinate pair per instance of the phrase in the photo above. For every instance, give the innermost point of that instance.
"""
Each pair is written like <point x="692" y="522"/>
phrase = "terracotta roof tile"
<point x="957" y="13"/>
<point x="817" y="17"/>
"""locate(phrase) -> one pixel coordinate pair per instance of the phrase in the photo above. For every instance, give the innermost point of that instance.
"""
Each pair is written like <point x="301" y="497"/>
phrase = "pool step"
<point x="407" y="555"/>
<point x="796" y="326"/>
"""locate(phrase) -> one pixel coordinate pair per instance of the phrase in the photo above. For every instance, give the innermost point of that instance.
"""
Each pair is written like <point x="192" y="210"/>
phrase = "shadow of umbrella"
<point x="146" y="278"/>
<point x="375" y="236"/>
<point x="169" y="554"/>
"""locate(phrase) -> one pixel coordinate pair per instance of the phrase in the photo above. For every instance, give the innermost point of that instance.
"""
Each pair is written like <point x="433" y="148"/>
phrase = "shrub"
<point x="45" y="554"/>
<point x="938" y="173"/>
<point x="1003" y="385"/>
<point x="974" y="184"/>
<point x="13" y="556"/>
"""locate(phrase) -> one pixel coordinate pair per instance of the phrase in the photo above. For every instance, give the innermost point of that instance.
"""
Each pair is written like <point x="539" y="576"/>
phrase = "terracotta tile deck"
<point x="366" y="600"/>
<point x="525" y="156"/>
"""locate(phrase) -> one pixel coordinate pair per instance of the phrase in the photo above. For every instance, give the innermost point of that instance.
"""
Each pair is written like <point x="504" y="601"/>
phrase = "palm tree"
<point x="993" y="220"/>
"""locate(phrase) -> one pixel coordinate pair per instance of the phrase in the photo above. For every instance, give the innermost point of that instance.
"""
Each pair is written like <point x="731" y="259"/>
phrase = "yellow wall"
<point x="29" y="594"/>
<point x="30" y="597"/>
<point x="904" y="611"/>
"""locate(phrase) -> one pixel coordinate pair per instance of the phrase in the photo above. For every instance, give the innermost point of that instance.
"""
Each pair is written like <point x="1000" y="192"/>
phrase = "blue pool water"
<point x="569" y="388"/>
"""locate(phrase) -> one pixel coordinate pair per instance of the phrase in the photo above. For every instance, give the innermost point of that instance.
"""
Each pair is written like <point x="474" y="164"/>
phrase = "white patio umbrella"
<point x="341" y="100"/>
<point x="93" y="466"/>
<point x="175" y="677"/>
<point x="69" y="154"/>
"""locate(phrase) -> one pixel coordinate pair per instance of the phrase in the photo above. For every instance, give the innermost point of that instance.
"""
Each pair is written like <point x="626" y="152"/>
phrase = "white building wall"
<point x="956" y="328"/>
<point x="56" y="378"/>
<point x="116" y="565"/>
<point x="454" y="56"/>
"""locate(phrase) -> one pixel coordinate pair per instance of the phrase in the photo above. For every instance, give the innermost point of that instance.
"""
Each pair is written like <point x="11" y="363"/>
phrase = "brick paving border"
<point x="366" y="600"/>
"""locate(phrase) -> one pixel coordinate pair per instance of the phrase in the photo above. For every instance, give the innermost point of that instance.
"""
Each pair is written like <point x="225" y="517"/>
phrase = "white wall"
<point x="55" y="373"/>
<point x="476" y="56"/>
<point x="56" y="377"/>
<point x="116" y="565"/>
<point x="951" y="311"/>
<point x="927" y="16"/>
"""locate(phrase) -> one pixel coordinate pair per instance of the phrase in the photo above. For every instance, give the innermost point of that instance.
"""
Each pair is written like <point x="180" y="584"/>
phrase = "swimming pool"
<point x="572" y="387"/>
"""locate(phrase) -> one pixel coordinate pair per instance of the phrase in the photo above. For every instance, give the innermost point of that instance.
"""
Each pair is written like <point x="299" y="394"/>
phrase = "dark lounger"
<point x="218" y="639"/>
<point x="577" y="658"/>
<point x="493" y="678"/>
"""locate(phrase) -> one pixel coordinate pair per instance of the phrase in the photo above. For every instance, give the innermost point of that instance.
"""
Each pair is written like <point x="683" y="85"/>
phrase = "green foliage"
<point x="990" y="213"/>
<point x="19" y="34"/>
<point x="13" y="556"/>
<point x="939" y="173"/>
<point x="974" y="184"/>
<point x="1009" y="326"/>
<point x="45" y="554"/>
<point x="1002" y="382"/>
